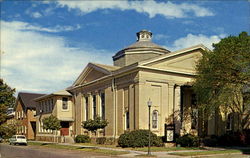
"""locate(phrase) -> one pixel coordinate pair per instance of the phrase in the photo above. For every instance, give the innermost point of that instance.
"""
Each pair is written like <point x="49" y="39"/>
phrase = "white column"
<point x="170" y="102"/>
<point x="177" y="108"/>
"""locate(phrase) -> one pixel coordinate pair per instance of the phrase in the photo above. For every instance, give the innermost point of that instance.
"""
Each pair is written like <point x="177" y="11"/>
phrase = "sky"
<point x="46" y="44"/>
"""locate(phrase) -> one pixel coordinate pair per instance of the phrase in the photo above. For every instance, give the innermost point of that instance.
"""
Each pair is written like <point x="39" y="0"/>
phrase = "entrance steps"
<point x="68" y="139"/>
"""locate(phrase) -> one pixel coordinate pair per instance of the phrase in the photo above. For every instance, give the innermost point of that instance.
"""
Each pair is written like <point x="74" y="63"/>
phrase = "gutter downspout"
<point x="74" y="111"/>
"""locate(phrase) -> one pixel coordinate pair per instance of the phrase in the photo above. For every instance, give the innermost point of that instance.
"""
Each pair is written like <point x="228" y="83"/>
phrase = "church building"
<point x="142" y="73"/>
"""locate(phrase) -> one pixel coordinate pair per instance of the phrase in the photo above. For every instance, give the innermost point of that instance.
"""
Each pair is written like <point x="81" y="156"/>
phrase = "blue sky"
<point x="46" y="44"/>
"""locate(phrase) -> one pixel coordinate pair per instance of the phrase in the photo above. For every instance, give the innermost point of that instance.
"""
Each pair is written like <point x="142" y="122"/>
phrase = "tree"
<point x="51" y="123"/>
<point x="8" y="130"/>
<point x="94" y="125"/>
<point x="223" y="78"/>
<point x="7" y="100"/>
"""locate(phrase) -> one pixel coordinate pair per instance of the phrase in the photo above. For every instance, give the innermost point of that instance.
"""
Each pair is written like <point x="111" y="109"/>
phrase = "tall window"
<point x="103" y="106"/>
<point x="230" y="121"/>
<point x="127" y="120"/>
<point x="64" y="103"/>
<point x="51" y="102"/>
<point x="43" y="106"/>
<point x="46" y="106"/>
<point x="155" y="119"/>
<point x="86" y="108"/>
<point x="94" y="106"/>
<point x="194" y="113"/>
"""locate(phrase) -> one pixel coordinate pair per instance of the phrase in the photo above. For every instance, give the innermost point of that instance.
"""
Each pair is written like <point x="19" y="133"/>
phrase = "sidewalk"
<point x="162" y="154"/>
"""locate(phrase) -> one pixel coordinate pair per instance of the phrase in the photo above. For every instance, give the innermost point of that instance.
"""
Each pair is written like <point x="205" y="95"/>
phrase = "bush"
<point x="188" y="140"/>
<point x="93" y="125"/>
<point x="138" y="138"/>
<point x="82" y="139"/>
<point x="101" y="140"/>
<point x="235" y="139"/>
<point x="211" y="141"/>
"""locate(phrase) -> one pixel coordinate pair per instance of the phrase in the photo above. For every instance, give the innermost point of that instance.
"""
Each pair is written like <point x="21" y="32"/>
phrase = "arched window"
<point x="155" y="119"/>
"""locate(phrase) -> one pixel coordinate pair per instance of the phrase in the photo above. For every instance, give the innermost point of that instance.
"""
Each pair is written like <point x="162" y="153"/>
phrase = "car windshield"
<point x="22" y="137"/>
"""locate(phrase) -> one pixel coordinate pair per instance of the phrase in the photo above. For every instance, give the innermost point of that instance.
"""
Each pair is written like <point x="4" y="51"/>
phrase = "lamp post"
<point x="149" y="126"/>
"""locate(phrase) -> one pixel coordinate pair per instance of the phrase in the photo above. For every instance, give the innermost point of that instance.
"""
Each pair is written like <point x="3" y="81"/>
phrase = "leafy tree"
<point x="223" y="78"/>
<point x="94" y="125"/>
<point x="51" y="123"/>
<point x="7" y="100"/>
<point x="8" y="130"/>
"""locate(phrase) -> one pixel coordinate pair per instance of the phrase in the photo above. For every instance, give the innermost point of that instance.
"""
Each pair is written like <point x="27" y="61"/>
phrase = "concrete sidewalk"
<point x="163" y="154"/>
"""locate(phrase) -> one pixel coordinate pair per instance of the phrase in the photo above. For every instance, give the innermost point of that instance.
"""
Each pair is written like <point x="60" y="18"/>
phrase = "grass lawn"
<point x="158" y="149"/>
<point x="145" y="155"/>
<point x="100" y="145"/>
<point x="208" y="152"/>
<point x="71" y="147"/>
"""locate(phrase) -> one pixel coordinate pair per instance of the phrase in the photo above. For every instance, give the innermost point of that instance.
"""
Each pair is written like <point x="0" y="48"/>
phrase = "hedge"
<point x="138" y="138"/>
<point x="82" y="139"/>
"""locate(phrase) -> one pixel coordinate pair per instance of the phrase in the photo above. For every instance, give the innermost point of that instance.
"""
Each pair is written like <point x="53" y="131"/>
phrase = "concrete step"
<point x="68" y="139"/>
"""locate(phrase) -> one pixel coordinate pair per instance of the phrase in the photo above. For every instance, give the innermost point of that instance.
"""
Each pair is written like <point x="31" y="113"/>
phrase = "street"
<point x="8" y="151"/>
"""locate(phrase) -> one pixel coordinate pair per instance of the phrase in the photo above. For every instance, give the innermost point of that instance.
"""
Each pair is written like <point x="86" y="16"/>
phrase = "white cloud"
<point x="160" y="37"/>
<point x="39" y="62"/>
<point x="152" y="8"/>
<point x="36" y="14"/>
<point x="191" y="40"/>
<point x="26" y="26"/>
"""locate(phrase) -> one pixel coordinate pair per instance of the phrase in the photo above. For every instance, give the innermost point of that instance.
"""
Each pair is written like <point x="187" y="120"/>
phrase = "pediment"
<point x="179" y="61"/>
<point x="90" y="73"/>
<point x="184" y="63"/>
<point x="93" y="75"/>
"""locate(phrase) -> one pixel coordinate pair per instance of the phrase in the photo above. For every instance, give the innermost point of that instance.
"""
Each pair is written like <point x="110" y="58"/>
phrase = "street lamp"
<point x="149" y="126"/>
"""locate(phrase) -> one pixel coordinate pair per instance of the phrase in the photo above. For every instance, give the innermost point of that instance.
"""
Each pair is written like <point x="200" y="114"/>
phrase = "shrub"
<point x="82" y="139"/>
<point x="93" y="125"/>
<point x="247" y="134"/>
<point x="138" y="138"/>
<point x="188" y="140"/>
<point x="101" y="140"/>
<point x="235" y="138"/>
<point x="211" y="141"/>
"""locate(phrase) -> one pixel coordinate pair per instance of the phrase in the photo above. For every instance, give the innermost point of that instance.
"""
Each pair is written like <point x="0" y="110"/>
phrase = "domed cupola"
<point x="142" y="49"/>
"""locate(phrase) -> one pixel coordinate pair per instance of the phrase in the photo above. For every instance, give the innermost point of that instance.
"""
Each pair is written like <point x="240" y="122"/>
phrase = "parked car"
<point x="18" y="139"/>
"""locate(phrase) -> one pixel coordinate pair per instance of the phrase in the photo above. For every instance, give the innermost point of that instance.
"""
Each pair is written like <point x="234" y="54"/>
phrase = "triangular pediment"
<point x="178" y="61"/>
<point x="93" y="72"/>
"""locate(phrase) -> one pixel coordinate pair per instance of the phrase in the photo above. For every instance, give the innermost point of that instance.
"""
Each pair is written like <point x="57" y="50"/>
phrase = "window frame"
<point x="155" y="119"/>
<point x="67" y="104"/>
<point x="102" y="98"/>
<point x="86" y="108"/>
<point x="94" y="106"/>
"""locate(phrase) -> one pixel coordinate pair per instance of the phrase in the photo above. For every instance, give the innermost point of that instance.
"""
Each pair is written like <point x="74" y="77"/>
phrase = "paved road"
<point x="8" y="151"/>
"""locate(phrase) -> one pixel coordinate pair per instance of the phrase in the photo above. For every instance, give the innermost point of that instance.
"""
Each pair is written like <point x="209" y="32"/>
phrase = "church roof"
<point x="144" y="44"/>
<point x="62" y="92"/>
<point x="58" y="93"/>
<point x="109" y="68"/>
<point x="27" y="99"/>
